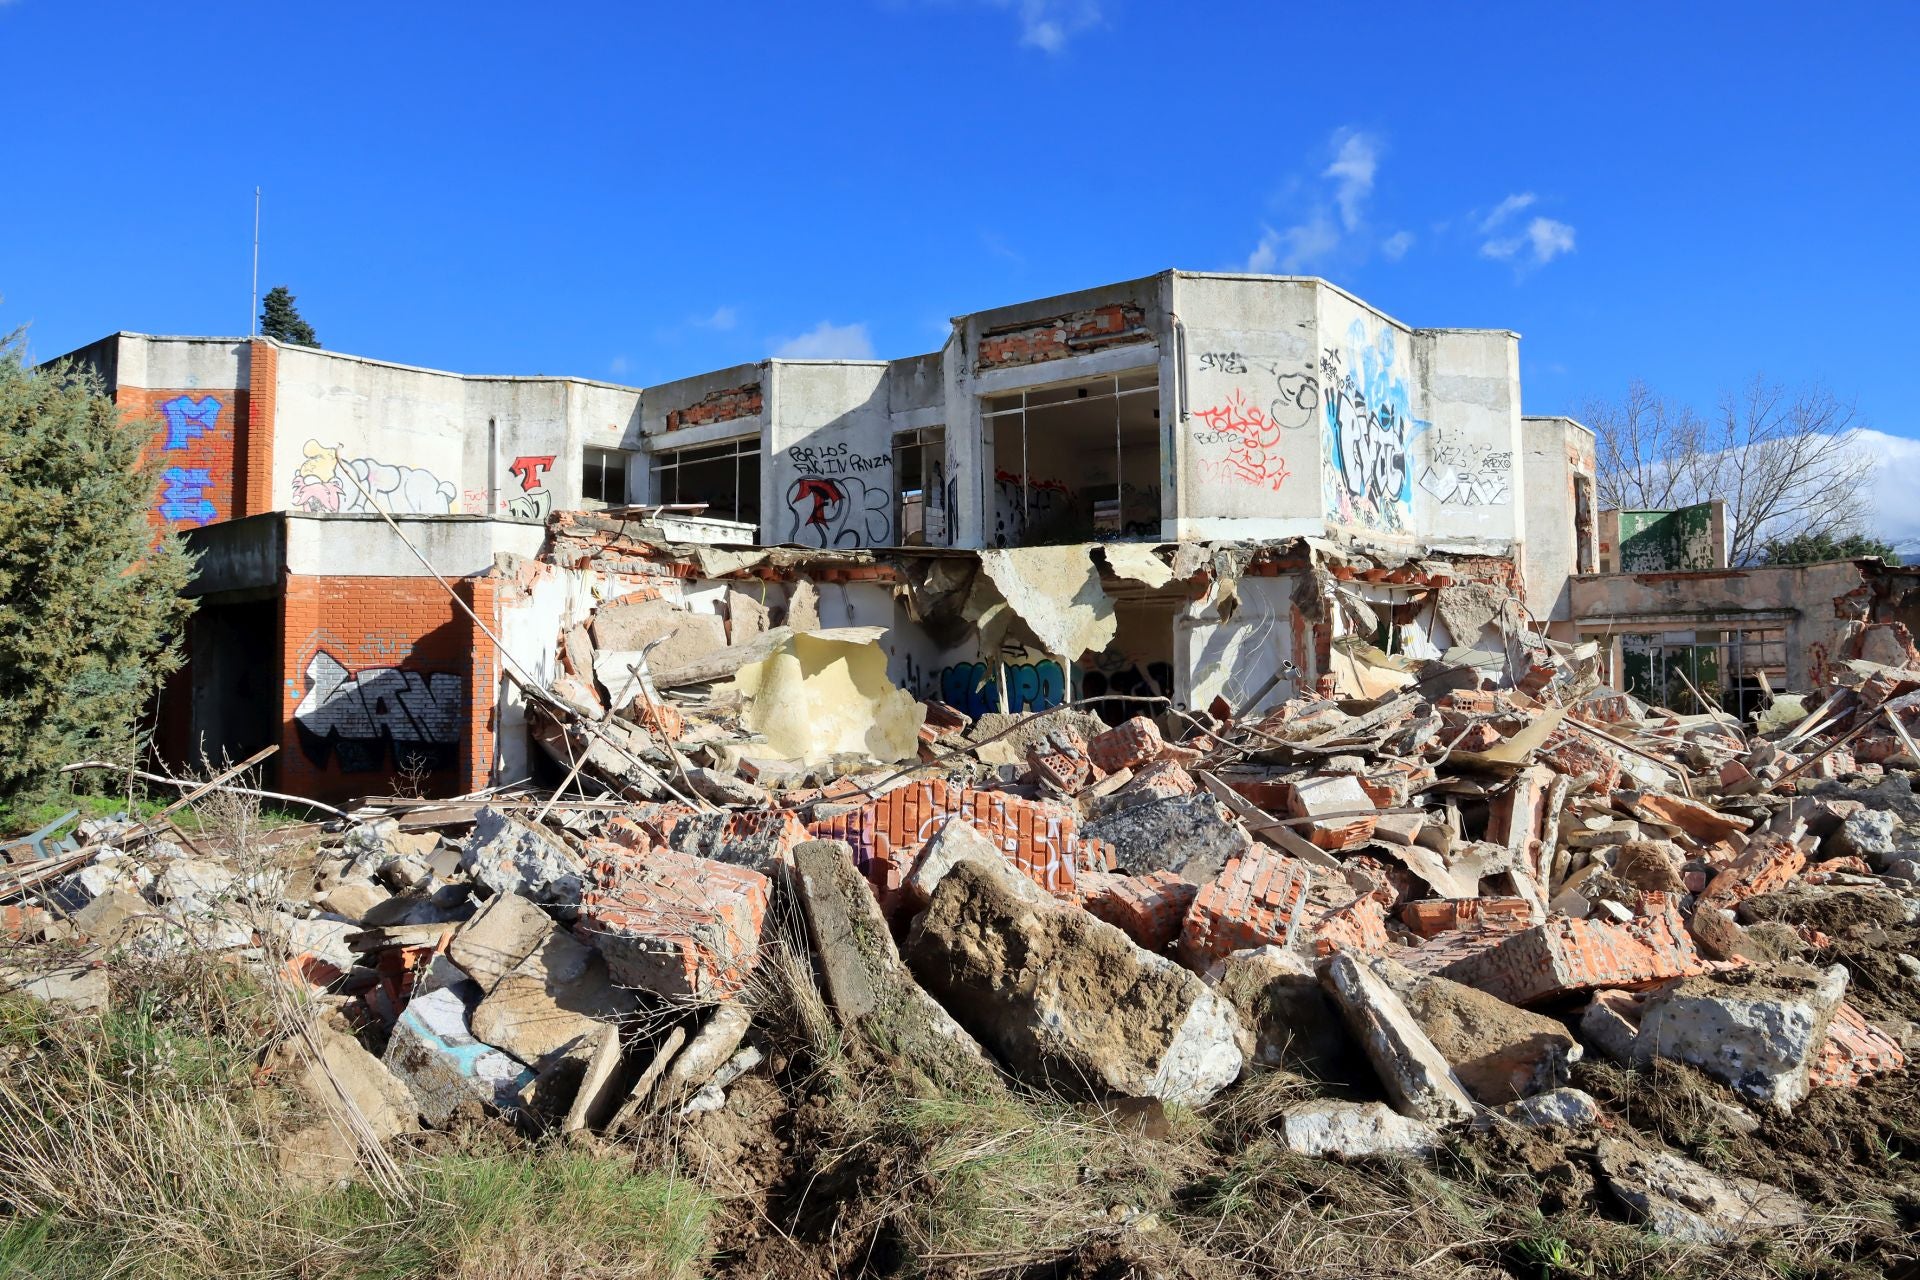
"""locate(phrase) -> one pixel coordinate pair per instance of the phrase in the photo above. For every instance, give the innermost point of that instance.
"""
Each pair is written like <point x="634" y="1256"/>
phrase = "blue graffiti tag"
<point x="1031" y="686"/>
<point x="189" y="419"/>
<point x="1370" y="431"/>
<point x="184" y="497"/>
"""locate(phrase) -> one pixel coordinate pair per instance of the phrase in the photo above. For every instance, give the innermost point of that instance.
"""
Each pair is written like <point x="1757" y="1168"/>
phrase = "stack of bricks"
<point x="1572" y="753"/>
<point x="1128" y="745"/>
<point x="1039" y="837"/>
<point x="679" y="926"/>
<point x="1161" y="780"/>
<point x="1148" y="909"/>
<point x="759" y="838"/>
<point x="719" y="406"/>
<point x="1431" y="918"/>
<point x="1060" y="760"/>
<point x="1333" y="794"/>
<point x="1564" y="957"/>
<point x="1058" y="336"/>
<point x="1269" y="899"/>
<point x="1854" y="1050"/>
<point x="1767" y="863"/>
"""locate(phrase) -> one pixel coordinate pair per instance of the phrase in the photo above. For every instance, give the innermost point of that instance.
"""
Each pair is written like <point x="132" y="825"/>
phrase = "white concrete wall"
<point x="1235" y="658"/>
<point x="365" y="546"/>
<point x="826" y="475"/>
<point x="1246" y="448"/>
<point x="1467" y="479"/>
<point x="167" y="362"/>
<point x="1555" y="451"/>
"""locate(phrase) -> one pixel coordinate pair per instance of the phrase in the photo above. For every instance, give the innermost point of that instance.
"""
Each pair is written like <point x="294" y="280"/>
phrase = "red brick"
<point x="1768" y="863"/>
<point x="1563" y="957"/>
<point x="1257" y="897"/>
<point x="1146" y="908"/>
<point x="678" y="926"/>
<point x="1436" y="916"/>
<point x="1127" y="745"/>
<point x="1855" y="1049"/>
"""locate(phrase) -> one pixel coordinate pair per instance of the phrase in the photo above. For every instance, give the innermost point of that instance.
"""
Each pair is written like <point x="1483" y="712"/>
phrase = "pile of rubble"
<point x="1437" y="900"/>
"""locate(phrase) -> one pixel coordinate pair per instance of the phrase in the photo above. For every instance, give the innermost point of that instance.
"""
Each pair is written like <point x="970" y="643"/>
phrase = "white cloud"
<point x="1506" y="209"/>
<point x="1896" y="516"/>
<point x="1543" y="240"/>
<point x="617" y="365"/>
<point x="723" y="319"/>
<point x="1355" y="160"/>
<point x="1396" y="245"/>
<point x="1047" y="25"/>
<point x="1296" y="247"/>
<point x="828" y="341"/>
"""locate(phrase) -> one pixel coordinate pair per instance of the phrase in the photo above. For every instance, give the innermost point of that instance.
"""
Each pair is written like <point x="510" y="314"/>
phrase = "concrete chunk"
<point x="1498" y="1051"/>
<point x="1352" y="1130"/>
<point x="556" y="999"/>
<point x="1674" y="1197"/>
<point x="510" y="856"/>
<point x="436" y="1056"/>
<point x="1415" y="1074"/>
<point x="505" y="931"/>
<point x="1067" y="1000"/>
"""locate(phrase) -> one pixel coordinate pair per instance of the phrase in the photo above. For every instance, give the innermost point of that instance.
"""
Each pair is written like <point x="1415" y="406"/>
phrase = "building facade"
<point x="1179" y="408"/>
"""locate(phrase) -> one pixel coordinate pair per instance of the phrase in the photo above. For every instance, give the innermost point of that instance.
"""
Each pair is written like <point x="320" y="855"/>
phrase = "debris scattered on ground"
<point x="1434" y="904"/>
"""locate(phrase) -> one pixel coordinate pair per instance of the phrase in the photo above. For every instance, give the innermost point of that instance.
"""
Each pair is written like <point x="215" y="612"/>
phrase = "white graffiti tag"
<point x="364" y="717"/>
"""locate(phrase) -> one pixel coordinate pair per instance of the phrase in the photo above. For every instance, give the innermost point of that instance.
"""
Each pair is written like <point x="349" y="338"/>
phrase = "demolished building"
<point x="1312" y="468"/>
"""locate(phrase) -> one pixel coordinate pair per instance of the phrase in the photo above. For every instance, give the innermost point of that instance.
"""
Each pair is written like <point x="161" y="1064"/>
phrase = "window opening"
<point x="724" y="476"/>
<point x="603" y="477"/>
<point x="920" y="512"/>
<point x="1076" y="461"/>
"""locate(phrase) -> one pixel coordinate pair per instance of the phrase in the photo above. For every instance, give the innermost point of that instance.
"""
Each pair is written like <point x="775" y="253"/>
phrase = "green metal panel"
<point x="1667" y="541"/>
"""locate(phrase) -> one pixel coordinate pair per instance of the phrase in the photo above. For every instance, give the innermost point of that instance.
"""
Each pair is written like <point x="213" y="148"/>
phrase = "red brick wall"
<point x="1057" y="336"/>
<point x="256" y="452"/>
<point x="383" y="675"/>
<point x="195" y="436"/>
<point x="719" y="406"/>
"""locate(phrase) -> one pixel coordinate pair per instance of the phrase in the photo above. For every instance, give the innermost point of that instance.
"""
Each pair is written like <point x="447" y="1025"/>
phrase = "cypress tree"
<point x="279" y="318"/>
<point x="90" y="605"/>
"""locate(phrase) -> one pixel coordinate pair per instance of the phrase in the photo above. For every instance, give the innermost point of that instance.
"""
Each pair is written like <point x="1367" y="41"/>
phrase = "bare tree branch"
<point x="1786" y="462"/>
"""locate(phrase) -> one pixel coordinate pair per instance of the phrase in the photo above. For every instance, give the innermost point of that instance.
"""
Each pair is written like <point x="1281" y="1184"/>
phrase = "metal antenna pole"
<point x="253" y="315"/>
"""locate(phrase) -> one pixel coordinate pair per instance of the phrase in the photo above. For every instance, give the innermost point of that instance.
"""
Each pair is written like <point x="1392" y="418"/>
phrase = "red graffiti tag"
<point x="531" y="469"/>
<point x="823" y="493"/>
<point x="1252" y="439"/>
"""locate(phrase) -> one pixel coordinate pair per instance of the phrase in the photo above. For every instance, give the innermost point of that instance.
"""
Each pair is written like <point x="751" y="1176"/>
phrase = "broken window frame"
<point x="664" y="467"/>
<point x="1143" y="380"/>
<point x="1744" y="661"/>
<point x="911" y="501"/>
<point x="597" y="466"/>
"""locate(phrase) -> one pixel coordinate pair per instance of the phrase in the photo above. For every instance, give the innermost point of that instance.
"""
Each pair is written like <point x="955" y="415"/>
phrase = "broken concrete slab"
<point x="444" y="1066"/>
<point x="623" y="628"/>
<point x="330" y="1065"/>
<point x="74" y="984"/>
<point x="511" y="856"/>
<point x="1563" y="957"/>
<point x="1562" y="1108"/>
<point x="1413" y="1071"/>
<point x="1355" y="1130"/>
<point x="596" y="1098"/>
<point x="1674" y="1197"/>
<point x="866" y="983"/>
<point x="1066" y="1000"/>
<point x="1289" y="1019"/>
<point x="1193" y="836"/>
<point x="1498" y="1051"/>
<point x="505" y="931"/>
<point x="554" y="1000"/>
<point x="1757" y="1028"/>
<point x="705" y="1054"/>
<point x="955" y="839"/>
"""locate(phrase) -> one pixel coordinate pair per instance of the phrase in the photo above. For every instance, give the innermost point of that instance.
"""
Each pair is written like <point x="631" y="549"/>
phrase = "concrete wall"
<point x="1467" y="482"/>
<point x="1798" y="598"/>
<point x="826" y="477"/>
<point x="1247" y="437"/>
<point x="1557" y="453"/>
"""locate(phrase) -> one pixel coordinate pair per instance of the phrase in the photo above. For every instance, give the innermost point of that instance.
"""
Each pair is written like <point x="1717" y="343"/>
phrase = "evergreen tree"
<point x="279" y="318"/>
<point x="90" y="603"/>
<point x="1811" y="548"/>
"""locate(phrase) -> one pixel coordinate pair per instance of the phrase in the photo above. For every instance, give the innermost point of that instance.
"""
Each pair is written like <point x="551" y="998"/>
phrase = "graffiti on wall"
<point x="1032" y="685"/>
<point x="1018" y="507"/>
<point x="1465" y="472"/>
<point x="183" y="495"/>
<point x="839" y="498"/>
<point x="183" y="490"/>
<point x="1250" y="439"/>
<point x="534" y="502"/>
<point x="1370" y="431"/>
<point x="380" y="718"/>
<point x="188" y="419"/>
<point x="327" y="483"/>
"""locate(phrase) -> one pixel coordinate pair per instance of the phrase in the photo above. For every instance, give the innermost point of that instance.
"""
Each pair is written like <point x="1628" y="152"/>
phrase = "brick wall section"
<point x="1146" y="908"/>
<point x="675" y="925"/>
<point x="419" y="684"/>
<point x="196" y="439"/>
<point x="1037" y="836"/>
<point x="1855" y="1049"/>
<point x="719" y="406"/>
<point x="1563" y="957"/>
<point x="1258" y="899"/>
<point x="1096" y="328"/>
<point x="256" y="492"/>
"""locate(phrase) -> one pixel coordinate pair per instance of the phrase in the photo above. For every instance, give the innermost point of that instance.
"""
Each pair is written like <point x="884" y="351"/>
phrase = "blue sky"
<point x="1689" y="194"/>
